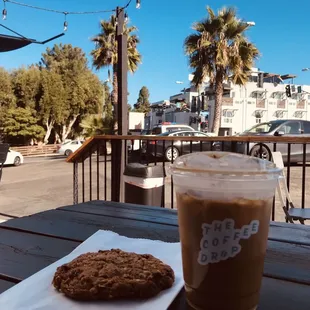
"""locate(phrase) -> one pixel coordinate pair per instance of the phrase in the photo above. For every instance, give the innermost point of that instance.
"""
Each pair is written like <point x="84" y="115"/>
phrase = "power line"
<point x="64" y="12"/>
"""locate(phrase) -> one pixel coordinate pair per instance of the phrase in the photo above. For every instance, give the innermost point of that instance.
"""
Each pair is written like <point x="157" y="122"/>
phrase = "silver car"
<point x="283" y="128"/>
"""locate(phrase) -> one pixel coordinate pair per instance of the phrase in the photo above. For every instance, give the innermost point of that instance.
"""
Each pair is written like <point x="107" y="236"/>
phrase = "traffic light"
<point x="288" y="91"/>
<point x="260" y="80"/>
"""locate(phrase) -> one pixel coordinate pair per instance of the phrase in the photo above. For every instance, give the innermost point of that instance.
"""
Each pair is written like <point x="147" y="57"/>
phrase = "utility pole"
<point x="122" y="70"/>
<point x="118" y="146"/>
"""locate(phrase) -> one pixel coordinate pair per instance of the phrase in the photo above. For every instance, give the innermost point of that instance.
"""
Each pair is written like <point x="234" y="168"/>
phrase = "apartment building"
<point x="262" y="99"/>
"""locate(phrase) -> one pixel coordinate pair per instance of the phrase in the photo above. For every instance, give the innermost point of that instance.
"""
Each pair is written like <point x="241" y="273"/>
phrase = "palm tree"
<point x="105" y="52"/>
<point x="219" y="50"/>
<point x="95" y="124"/>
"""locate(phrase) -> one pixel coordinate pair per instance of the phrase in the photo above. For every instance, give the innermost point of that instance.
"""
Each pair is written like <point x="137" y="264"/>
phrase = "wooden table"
<point x="31" y="243"/>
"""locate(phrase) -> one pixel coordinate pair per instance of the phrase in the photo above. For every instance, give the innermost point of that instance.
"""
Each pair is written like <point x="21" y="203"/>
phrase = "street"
<point x="44" y="183"/>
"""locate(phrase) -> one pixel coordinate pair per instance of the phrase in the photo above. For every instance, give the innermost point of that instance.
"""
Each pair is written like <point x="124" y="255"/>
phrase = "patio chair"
<point x="4" y="148"/>
<point x="291" y="214"/>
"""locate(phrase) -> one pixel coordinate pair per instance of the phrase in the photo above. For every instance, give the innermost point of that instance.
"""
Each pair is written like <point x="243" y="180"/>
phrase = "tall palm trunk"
<point x="218" y="104"/>
<point x="115" y="99"/>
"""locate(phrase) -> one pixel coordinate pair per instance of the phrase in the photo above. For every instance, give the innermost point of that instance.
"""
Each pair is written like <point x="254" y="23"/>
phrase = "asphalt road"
<point x="44" y="183"/>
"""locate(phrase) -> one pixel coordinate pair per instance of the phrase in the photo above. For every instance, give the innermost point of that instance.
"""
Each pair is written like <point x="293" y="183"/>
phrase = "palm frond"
<point x="218" y="47"/>
<point x="105" y="52"/>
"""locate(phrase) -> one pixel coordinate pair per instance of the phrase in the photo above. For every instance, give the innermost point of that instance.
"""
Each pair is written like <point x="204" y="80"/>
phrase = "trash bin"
<point x="144" y="184"/>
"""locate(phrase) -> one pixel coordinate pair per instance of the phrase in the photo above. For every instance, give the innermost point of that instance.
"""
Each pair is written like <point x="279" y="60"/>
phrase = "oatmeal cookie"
<point x="113" y="274"/>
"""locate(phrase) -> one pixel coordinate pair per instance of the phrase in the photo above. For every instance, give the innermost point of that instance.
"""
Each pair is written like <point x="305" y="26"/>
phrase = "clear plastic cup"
<point x="224" y="204"/>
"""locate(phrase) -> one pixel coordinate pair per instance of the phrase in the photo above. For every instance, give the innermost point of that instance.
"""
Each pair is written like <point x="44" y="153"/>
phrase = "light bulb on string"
<point x="126" y="18"/>
<point x="65" y="26"/>
<point x="4" y="14"/>
<point x="4" y="11"/>
<point x="65" y="22"/>
<point x="138" y="4"/>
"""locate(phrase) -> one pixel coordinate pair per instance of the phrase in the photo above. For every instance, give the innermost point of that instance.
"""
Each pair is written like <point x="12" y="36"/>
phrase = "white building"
<point x="175" y="110"/>
<point x="262" y="99"/>
<point x="245" y="106"/>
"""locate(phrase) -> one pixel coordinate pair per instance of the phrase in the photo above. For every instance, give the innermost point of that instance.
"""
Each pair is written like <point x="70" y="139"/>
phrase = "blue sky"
<point x="281" y="34"/>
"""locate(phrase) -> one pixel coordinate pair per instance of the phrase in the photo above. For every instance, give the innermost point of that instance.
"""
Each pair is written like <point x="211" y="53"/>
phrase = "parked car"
<point x="134" y="145"/>
<point x="69" y="147"/>
<point x="14" y="158"/>
<point x="170" y="127"/>
<point x="169" y="151"/>
<point x="283" y="128"/>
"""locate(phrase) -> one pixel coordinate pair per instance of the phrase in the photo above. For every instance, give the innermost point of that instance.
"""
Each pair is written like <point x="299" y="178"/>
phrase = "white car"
<point x="69" y="147"/>
<point x="14" y="158"/>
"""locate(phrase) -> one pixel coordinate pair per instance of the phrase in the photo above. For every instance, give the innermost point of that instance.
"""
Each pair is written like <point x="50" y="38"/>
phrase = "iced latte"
<point x="224" y="204"/>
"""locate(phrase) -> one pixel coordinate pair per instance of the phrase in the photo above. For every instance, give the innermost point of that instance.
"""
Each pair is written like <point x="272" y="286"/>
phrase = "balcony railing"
<point x="96" y="164"/>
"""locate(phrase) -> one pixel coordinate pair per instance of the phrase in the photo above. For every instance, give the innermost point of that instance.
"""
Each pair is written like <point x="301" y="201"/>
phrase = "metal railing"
<point x="96" y="164"/>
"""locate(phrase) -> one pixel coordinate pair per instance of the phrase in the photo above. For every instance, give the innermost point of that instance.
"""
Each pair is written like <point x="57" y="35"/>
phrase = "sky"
<point x="281" y="33"/>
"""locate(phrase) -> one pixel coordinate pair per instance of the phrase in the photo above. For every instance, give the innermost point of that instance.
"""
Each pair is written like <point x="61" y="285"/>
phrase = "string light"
<point x="4" y="14"/>
<point x="4" y="11"/>
<point x="65" y="22"/>
<point x="69" y="12"/>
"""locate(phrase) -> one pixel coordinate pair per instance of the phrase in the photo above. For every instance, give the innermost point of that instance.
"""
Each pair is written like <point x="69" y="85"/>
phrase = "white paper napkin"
<point x="36" y="292"/>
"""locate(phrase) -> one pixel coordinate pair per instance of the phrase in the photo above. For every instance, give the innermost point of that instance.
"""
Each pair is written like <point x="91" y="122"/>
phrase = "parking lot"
<point x="46" y="183"/>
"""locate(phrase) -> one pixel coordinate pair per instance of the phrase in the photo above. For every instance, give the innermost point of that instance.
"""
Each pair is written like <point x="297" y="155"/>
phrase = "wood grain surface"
<point x="31" y="243"/>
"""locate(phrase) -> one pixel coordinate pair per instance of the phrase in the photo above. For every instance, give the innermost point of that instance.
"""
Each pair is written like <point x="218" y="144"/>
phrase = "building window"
<point x="277" y="95"/>
<point x="228" y="116"/>
<point x="228" y="113"/>
<point x="233" y="94"/>
<point x="258" y="117"/>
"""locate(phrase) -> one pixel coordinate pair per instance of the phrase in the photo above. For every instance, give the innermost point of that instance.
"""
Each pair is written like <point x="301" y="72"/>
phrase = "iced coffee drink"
<point x="224" y="204"/>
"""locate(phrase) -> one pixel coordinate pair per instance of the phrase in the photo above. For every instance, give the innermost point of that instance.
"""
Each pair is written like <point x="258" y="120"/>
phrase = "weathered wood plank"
<point x="167" y="213"/>
<point x="283" y="260"/>
<point x="79" y="226"/>
<point x="5" y="285"/>
<point x="129" y="211"/>
<point x="23" y="254"/>
<point x="289" y="232"/>
<point x="275" y="294"/>
<point x="278" y="231"/>
<point x="288" y="261"/>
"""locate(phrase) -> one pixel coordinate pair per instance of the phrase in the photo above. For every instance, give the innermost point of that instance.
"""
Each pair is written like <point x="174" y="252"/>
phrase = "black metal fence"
<point x="94" y="171"/>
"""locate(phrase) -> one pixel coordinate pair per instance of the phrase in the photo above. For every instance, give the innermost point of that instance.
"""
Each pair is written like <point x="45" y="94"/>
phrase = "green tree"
<point x="53" y="99"/>
<point x="26" y="85"/>
<point x="219" y="50"/>
<point x="20" y="125"/>
<point x="83" y="91"/>
<point x="7" y="98"/>
<point x="105" y="52"/>
<point x="143" y="103"/>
